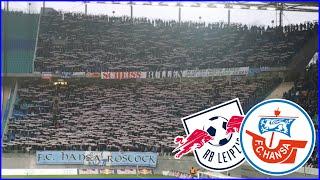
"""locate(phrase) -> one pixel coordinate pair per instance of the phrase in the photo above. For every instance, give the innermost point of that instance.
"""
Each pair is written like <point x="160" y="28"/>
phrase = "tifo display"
<point x="110" y="96"/>
<point x="118" y="115"/>
<point x="71" y="42"/>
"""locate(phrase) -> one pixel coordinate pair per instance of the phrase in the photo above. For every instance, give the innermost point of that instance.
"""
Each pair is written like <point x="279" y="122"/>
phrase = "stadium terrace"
<point x="103" y="95"/>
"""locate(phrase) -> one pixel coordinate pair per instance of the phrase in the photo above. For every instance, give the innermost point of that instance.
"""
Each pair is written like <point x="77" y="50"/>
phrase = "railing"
<point x="9" y="107"/>
<point x="36" y="44"/>
<point x="6" y="111"/>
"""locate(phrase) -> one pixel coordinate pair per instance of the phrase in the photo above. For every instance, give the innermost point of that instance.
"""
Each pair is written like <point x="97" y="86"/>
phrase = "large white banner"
<point x="176" y="74"/>
<point x="216" y="72"/>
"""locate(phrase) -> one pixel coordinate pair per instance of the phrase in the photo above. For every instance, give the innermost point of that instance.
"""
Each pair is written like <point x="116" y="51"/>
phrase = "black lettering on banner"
<point x="73" y="157"/>
<point x="118" y="158"/>
<point x="97" y="157"/>
<point x="62" y="156"/>
<point x="109" y="159"/>
<point x="47" y="157"/>
<point x="136" y="158"/>
<point x="125" y="158"/>
<point x="82" y="157"/>
<point x="143" y="158"/>
<point x="39" y="156"/>
<point x="152" y="160"/>
<point x="129" y="158"/>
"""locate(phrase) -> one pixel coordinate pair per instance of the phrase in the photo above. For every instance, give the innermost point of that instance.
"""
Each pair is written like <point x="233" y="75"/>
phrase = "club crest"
<point x="271" y="138"/>
<point x="213" y="137"/>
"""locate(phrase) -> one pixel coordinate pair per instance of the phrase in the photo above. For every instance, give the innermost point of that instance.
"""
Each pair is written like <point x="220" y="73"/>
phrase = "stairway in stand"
<point x="282" y="88"/>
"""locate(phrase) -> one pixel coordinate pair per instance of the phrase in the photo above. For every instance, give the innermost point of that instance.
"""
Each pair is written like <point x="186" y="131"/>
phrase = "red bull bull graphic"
<point x="272" y="140"/>
<point x="213" y="137"/>
<point x="234" y="124"/>
<point x="199" y="137"/>
<point x="195" y="140"/>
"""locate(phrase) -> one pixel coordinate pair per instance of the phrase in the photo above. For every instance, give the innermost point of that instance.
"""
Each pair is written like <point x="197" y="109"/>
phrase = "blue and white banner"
<point x="98" y="158"/>
<point x="66" y="74"/>
<point x="216" y="72"/>
<point x="78" y="74"/>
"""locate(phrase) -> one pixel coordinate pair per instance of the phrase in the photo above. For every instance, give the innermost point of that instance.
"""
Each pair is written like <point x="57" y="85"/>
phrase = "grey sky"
<point x="251" y="17"/>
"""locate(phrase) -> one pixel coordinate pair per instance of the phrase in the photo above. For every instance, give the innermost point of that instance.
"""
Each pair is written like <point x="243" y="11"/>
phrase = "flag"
<point x="277" y="124"/>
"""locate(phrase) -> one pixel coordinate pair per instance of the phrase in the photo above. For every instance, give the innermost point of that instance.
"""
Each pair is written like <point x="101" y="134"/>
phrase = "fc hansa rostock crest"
<point x="277" y="137"/>
<point x="213" y="137"/>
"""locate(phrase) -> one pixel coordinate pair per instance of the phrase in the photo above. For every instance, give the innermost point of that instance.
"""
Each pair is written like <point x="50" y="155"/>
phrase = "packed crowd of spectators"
<point x="144" y="115"/>
<point x="135" y="115"/>
<point x="92" y="43"/>
<point x="304" y="93"/>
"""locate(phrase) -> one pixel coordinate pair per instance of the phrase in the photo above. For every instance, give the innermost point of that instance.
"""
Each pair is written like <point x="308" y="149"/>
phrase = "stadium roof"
<point x="290" y="6"/>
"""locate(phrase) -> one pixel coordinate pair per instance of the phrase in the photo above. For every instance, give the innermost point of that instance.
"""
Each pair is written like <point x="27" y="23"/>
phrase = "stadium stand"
<point x="72" y="42"/>
<point x="142" y="115"/>
<point x="118" y="115"/>
<point x="304" y="93"/>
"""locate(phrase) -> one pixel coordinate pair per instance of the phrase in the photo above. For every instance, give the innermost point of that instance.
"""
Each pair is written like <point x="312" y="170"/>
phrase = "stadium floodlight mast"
<point x="179" y="15"/>
<point x="29" y="7"/>
<point x="85" y="7"/>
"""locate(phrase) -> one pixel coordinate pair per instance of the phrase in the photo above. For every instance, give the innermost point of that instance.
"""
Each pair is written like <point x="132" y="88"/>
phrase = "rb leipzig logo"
<point x="277" y="137"/>
<point x="213" y="136"/>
